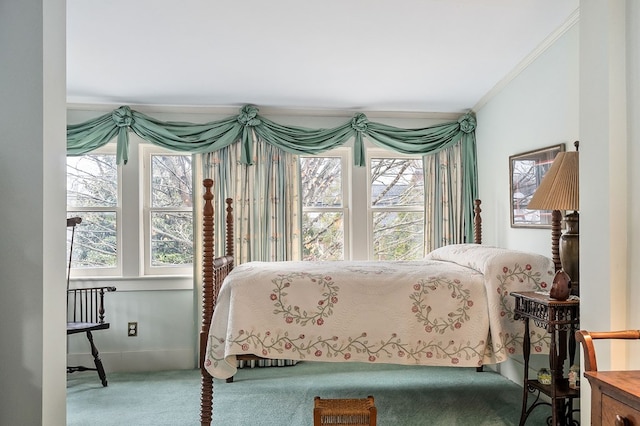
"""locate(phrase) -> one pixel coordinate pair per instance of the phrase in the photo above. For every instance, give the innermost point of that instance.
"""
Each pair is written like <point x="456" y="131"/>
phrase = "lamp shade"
<point x="559" y="187"/>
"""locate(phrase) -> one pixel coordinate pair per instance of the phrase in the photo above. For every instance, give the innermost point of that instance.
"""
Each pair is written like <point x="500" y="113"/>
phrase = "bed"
<point x="451" y="308"/>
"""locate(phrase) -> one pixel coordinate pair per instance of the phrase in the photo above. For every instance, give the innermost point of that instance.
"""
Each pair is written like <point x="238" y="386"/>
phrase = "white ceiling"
<point x="374" y="55"/>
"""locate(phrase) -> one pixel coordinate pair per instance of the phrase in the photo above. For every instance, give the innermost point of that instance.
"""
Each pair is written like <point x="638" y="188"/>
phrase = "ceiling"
<point x="372" y="55"/>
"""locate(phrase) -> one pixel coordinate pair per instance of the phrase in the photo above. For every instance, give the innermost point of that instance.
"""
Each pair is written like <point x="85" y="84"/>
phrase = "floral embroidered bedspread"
<point x="451" y="309"/>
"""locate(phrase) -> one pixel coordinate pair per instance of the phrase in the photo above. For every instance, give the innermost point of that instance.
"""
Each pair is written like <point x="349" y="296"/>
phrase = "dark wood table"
<point x="561" y="319"/>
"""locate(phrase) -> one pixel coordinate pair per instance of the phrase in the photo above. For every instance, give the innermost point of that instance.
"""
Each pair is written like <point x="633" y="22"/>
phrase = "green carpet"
<point x="284" y="396"/>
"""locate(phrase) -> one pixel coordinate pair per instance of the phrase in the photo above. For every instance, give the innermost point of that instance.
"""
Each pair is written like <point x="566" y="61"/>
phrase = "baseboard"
<point x="179" y="359"/>
<point x="513" y="369"/>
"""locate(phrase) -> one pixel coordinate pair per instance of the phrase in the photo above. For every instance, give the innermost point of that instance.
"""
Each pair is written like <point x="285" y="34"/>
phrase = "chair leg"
<point x="97" y="360"/>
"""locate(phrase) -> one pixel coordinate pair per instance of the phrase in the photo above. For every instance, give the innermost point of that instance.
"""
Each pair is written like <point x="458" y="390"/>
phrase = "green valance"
<point x="194" y="138"/>
<point x="249" y="125"/>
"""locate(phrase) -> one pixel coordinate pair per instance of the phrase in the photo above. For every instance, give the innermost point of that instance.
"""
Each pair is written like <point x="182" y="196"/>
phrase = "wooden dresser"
<point x="615" y="397"/>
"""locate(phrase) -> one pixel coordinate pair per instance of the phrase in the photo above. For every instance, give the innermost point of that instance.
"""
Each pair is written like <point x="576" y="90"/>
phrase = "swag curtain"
<point x="249" y="127"/>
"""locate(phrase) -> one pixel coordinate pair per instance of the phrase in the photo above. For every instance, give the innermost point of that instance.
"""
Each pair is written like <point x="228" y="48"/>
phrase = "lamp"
<point x="559" y="191"/>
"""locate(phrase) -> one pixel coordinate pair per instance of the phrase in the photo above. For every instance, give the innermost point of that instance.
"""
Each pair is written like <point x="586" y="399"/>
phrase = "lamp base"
<point x="570" y="251"/>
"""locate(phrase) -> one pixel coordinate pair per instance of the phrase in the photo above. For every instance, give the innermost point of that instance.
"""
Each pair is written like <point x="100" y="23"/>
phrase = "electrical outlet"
<point x="132" y="329"/>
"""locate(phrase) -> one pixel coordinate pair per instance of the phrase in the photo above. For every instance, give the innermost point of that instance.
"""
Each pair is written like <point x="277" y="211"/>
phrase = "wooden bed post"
<point x="477" y="223"/>
<point x="477" y="237"/>
<point x="229" y="229"/>
<point x="213" y="273"/>
<point x="206" y="393"/>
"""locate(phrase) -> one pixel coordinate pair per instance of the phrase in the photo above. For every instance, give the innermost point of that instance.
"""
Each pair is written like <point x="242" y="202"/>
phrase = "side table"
<point x="558" y="318"/>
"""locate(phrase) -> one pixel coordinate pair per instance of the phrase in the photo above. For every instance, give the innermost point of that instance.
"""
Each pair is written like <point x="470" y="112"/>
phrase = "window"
<point x="336" y="197"/>
<point x="137" y="219"/>
<point x="93" y="195"/>
<point x="396" y="208"/>
<point x="168" y="213"/>
<point x="324" y="207"/>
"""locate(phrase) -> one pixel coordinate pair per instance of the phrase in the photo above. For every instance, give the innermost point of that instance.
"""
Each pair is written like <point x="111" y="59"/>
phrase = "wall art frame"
<point x="526" y="171"/>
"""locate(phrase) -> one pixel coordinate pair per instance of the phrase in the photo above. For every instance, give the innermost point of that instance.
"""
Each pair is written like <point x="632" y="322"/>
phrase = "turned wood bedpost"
<point x="477" y="223"/>
<point x="229" y="229"/>
<point x="206" y="394"/>
<point x="477" y="237"/>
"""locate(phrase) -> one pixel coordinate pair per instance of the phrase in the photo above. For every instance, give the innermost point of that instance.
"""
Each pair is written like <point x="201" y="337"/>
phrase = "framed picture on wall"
<point x="526" y="171"/>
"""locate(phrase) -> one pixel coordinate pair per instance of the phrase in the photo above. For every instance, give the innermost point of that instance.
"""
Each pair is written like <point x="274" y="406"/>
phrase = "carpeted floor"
<point x="284" y="396"/>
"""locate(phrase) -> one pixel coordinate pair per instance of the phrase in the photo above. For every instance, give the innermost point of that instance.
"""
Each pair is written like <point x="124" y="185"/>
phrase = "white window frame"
<point x="130" y="273"/>
<point x="116" y="271"/>
<point x="344" y="154"/>
<point x="372" y="153"/>
<point x="147" y="152"/>
<point x="356" y="187"/>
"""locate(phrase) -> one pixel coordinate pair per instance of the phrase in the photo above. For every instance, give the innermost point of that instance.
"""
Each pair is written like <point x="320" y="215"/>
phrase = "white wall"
<point x="608" y="124"/>
<point x="32" y="182"/>
<point x="633" y="119"/>
<point x="593" y="70"/>
<point x="609" y="121"/>
<point x="537" y="109"/>
<point x="166" y="340"/>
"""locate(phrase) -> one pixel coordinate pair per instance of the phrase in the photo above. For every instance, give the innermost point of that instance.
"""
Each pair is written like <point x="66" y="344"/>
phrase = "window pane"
<point x="323" y="236"/>
<point x="171" y="239"/>
<point x="398" y="235"/>
<point x="321" y="181"/>
<point x="92" y="181"/>
<point x="171" y="181"/>
<point x="397" y="182"/>
<point x="94" y="240"/>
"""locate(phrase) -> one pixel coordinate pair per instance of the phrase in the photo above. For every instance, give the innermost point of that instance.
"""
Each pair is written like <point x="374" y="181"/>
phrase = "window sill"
<point x="146" y="283"/>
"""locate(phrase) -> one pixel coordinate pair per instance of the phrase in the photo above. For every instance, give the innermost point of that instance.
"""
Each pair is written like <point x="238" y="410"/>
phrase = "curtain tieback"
<point x="123" y="119"/>
<point x="360" y="123"/>
<point x="248" y="118"/>
<point x="467" y="123"/>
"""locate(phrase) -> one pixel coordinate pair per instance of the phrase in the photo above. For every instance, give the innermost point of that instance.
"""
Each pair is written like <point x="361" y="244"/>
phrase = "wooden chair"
<point x="85" y="312"/>
<point x="615" y="395"/>
<point x="586" y="338"/>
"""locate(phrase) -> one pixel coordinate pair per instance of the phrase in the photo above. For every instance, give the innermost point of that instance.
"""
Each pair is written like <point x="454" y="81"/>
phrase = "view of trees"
<point x="396" y="209"/>
<point x="322" y="216"/>
<point x="397" y="199"/>
<point x="171" y="210"/>
<point x="92" y="194"/>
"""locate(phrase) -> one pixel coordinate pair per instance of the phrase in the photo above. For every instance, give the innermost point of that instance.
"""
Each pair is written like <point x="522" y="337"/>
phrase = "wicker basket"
<point x="344" y="412"/>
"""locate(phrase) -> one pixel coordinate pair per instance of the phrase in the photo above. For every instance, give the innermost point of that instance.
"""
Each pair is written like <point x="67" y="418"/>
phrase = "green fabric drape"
<point x="195" y="138"/>
<point x="186" y="137"/>
<point x="443" y="193"/>
<point x="266" y="206"/>
<point x="249" y="125"/>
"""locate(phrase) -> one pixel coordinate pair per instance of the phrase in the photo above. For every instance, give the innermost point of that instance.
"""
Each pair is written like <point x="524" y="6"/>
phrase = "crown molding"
<point x="535" y="54"/>
<point x="265" y="111"/>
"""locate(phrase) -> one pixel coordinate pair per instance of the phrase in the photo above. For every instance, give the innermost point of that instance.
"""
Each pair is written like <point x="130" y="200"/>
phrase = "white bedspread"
<point x="451" y="309"/>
